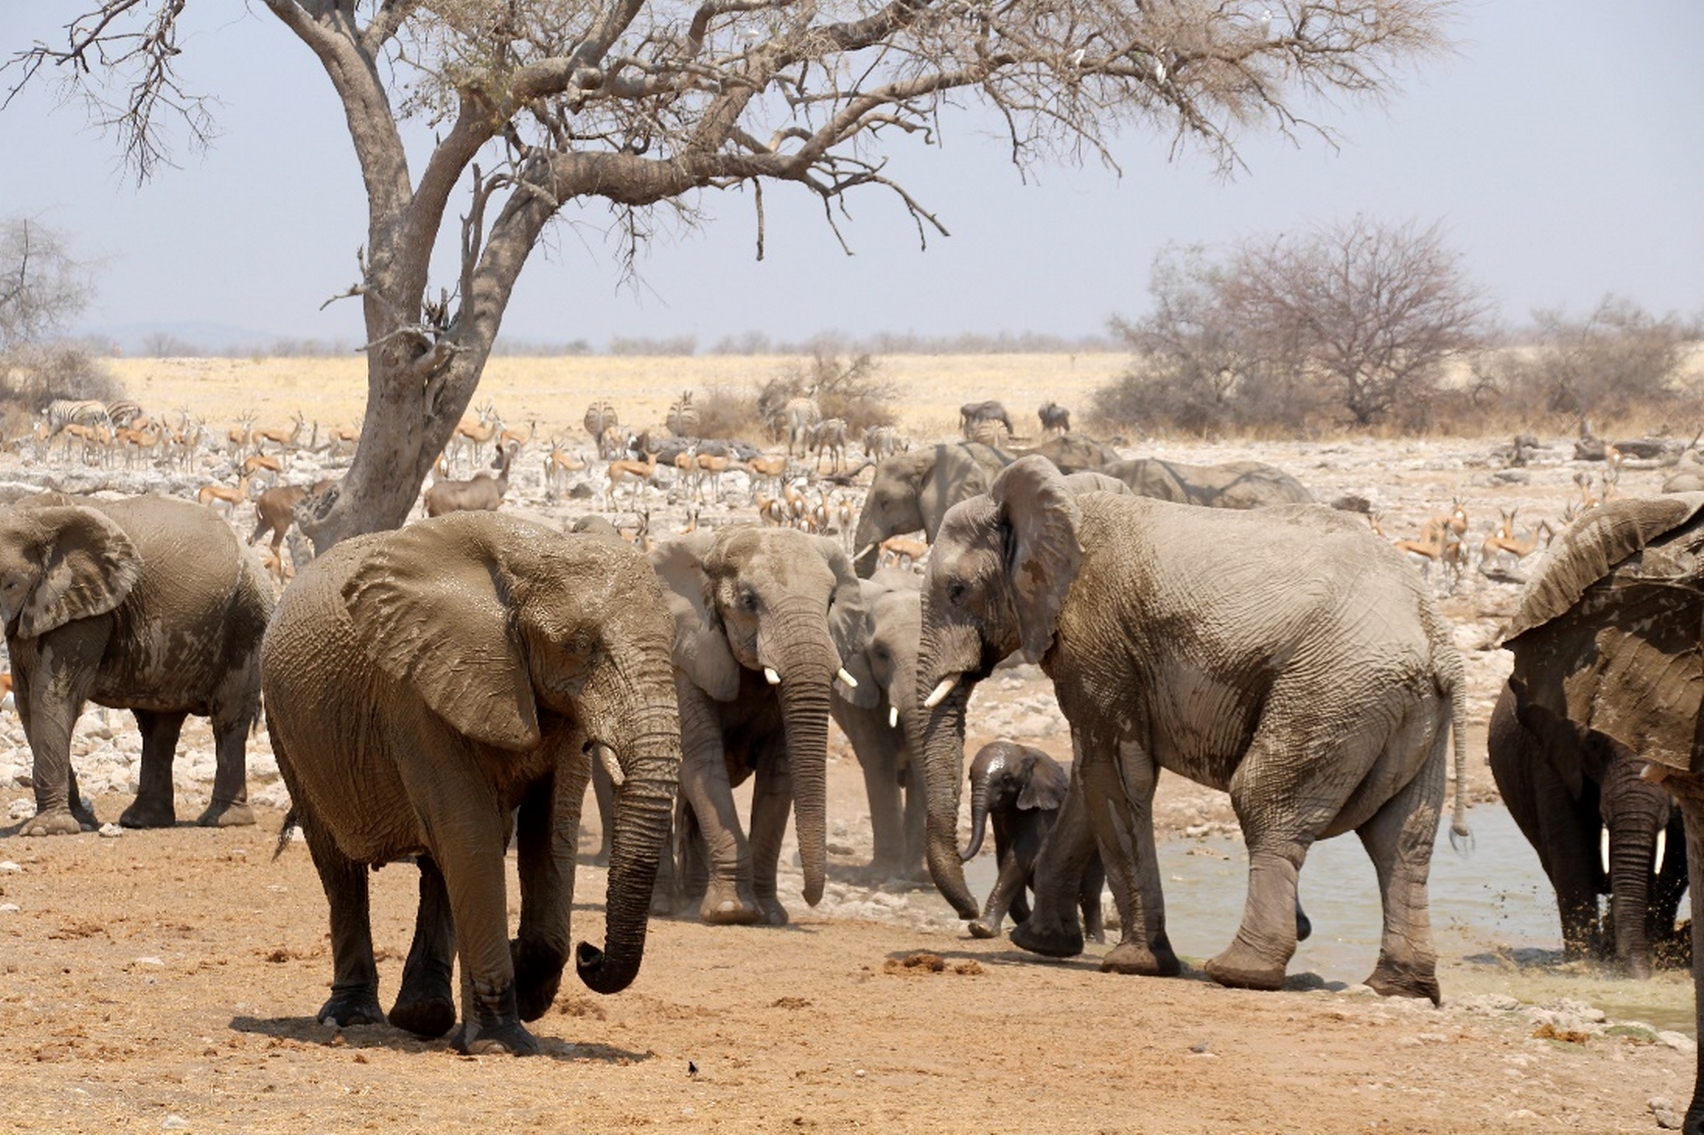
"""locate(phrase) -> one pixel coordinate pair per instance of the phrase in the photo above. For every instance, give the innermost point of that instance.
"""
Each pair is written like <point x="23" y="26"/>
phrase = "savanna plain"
<point x="168" y="979"/>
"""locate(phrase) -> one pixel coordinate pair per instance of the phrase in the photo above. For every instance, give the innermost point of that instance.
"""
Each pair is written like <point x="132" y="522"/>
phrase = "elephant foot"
<point x="1242" y="968"/>
<point x="425" y="1017"/>
<point x="538" y="976"/>
<point x="51" y="823"/>
<point x="1027" y="935"/>
<point x="1391" y="980"/>
<point x="148" y="813"/>
<point x="226" y="816"/>
<point x="511" y="1039"/>
<point x="982" y="928"/>
<point x="352" y="1007"/>
<point x="772" y="911"/>
<point x="723" y="906"/>
<point x="1137" y="959"/>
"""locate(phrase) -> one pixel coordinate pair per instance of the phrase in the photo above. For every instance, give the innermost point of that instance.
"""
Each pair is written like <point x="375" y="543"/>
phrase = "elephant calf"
<point x="1022" y="790"/>
<point x="148" y="604"/>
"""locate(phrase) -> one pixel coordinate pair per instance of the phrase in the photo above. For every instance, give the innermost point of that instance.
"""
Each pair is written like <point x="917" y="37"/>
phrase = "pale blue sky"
<point x="1562" y="148"/>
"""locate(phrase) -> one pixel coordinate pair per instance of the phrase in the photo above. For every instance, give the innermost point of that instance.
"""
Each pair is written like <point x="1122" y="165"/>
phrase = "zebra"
<point x="682" y="418"/>
<point x="602" y="424"/>
<point x="124" y="412"/>
<point x="62" y="412"/>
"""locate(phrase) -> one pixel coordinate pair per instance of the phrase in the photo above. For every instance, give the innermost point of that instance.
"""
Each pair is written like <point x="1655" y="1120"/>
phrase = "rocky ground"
<point x="168" y="979"/>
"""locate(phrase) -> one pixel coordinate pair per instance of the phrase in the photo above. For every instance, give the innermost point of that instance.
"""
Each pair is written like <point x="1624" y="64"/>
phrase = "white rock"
<point x="8" y="908"/>
<point x="1680" y="1042"/>
<point x="111" y="831"/>
<point x="8" y="867"/>
<point x="21" y="808"/>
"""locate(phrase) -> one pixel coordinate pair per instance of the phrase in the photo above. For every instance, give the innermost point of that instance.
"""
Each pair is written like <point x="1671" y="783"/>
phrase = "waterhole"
<point x="1494" y="919"/>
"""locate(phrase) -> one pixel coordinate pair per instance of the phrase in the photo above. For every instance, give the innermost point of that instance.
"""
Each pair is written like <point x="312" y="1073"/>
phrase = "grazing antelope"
<point x="558" y="463"/>
<point x="482" y="492"/>
<point x="905" y="551"/>
<point x="1506" y="541"/>
<point x="713" y="465"/>
<point x="1439" y="544"/>
<point x="213" y="494"/>
<point x="278" y="435"/>
<point x="621" y="469"/>
<point x="760" y="467"/>
<point x="261" y="462"/>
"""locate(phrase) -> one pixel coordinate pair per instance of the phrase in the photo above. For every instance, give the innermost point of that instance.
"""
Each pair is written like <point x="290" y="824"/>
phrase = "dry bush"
<point x="851" y="390"/>
<point x="726" y="413"/>
<point x="32" y="376"/>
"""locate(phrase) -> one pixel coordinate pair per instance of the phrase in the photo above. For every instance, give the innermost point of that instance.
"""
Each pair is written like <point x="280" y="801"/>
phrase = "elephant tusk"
<point x="1603" y="850"/>
<point x="611" y="765"/>
<point x="940" y="692"/>
<point x="851" y="682"/>
<point x="865" y="550"/>
<point x="771" y="676"/>
<point x="893" y="717"/>
<point x="1662" y="847"/>
<point x="1654" y="773"/>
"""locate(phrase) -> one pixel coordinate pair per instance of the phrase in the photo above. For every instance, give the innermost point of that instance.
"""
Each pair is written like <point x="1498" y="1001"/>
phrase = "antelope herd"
<point x="803" y="482"/>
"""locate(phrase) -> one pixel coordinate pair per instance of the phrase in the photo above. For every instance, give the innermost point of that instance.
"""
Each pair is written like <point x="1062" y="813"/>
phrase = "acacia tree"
<point x="540" y="104"/>
<point x="1373" y="308"/>
<point x="1618" y="358"/>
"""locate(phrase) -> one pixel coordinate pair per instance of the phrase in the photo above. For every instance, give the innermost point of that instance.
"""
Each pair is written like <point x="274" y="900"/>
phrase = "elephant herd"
<point x="447" y="691"/>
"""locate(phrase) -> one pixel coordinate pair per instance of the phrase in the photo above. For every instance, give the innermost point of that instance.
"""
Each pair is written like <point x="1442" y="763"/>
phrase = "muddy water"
<point x="1493" y="918"/>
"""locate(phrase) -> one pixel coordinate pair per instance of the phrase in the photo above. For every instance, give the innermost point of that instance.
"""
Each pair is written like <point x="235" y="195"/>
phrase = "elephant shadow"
<point x="307" y="1030"/>
<point x="925" y="961"/>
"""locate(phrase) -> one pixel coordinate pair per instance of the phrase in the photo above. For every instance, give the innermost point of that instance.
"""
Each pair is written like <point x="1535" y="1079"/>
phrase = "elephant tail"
<point x="1461" y="836"/>
<point x="291" y="822"/>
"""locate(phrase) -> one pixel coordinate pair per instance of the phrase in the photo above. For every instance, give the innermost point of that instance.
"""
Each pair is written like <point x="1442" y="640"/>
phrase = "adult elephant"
<point x="432" y="692"/>
<point x="913" y="490"/>
<point x="1597" y="827"/>
<point x="1233" y="484"/>
<point x="879" y="717"/>
<point x="148" y="604"/>
<point x="763" y="617"/>
<point x="1287" y="656"/>
<point x="1606" y="642"/>
<point x="1074" y="453"/>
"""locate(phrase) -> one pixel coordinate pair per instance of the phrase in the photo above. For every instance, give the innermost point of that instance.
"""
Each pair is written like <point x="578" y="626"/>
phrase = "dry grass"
<point x="555" y="391"/>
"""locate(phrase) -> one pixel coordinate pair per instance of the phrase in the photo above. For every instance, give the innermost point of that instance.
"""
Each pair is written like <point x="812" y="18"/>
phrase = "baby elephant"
<point x="1023" y="789"/>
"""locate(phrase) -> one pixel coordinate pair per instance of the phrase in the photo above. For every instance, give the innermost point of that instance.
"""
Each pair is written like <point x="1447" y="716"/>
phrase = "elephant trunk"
<point x="1630" y="870"/>
<point x="865" y="540"/>
<point x="943" y="762"/>
<point x="978" y="816"/>
<point x="642" y="811"/>
<point x="802" y="652"/>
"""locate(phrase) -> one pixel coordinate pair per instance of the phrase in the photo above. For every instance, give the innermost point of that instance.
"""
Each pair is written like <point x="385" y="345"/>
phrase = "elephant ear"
<point x="700" y="645"/>
<point x="88" y="565"/>
<point x="1045" y="789"/>
<point x="1606" y="634"/>
<point x="1040" y="512"/>
<point x="848" y="615"/>
<point x="955" y="476"/>
<point x="429" y="604"/>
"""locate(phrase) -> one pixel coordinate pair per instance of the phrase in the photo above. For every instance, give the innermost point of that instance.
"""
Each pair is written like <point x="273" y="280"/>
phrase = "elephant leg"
<point x="1119" y="798"/>
<point x="546" y="865"/>
<point x="425" y="1005"/>
<point x="354" y="996"/>
<point x="1399" y="840"/>
<point x="707" y="789"/>
<point x="153" y="807"/>
<point x="54" y="693"/>
<point x="771" y="804"/>
<point x="1089" y="899"/>
<point x="1008" y="885"/>
<point x="1690" y="793"/>
<point x="229" y="806"/>
<point x="887" y="823"/>
<point x="1567" y="841"/>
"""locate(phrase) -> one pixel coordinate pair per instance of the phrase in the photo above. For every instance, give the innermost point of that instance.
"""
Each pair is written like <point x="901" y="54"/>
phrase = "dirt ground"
<point x="167" y="980"/>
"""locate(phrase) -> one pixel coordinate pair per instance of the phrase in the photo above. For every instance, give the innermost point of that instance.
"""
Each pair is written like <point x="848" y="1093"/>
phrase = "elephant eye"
<point x="748" y="600"/>
<point x="956" y="592"/>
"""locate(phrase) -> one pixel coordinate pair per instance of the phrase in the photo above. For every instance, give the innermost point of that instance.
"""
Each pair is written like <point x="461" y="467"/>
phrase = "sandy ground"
<point x="168" y="979"/>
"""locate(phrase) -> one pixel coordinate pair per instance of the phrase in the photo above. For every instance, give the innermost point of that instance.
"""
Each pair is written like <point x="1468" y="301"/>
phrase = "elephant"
<point x="1234" y="484"/>
<point x="1572" y="794"/>
<point x="1285" y="655"/>
<point x="1022" y="790"/>
<point x="879" y="716"/>
<point x="763" y="618"/>
<point x="1073" y="453"/>
<point x="913" y="490"/>
<point x="434" y="691"/>
<point x="1606" y="642"/>
<point x="146" y="603"/>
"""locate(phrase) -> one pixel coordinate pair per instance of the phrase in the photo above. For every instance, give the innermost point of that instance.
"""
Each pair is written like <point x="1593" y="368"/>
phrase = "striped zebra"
<point x="600" y="422"/>
<point x="124" y="412"/>
<point x="62" y="412"/>
<point x="682" y="418"/>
